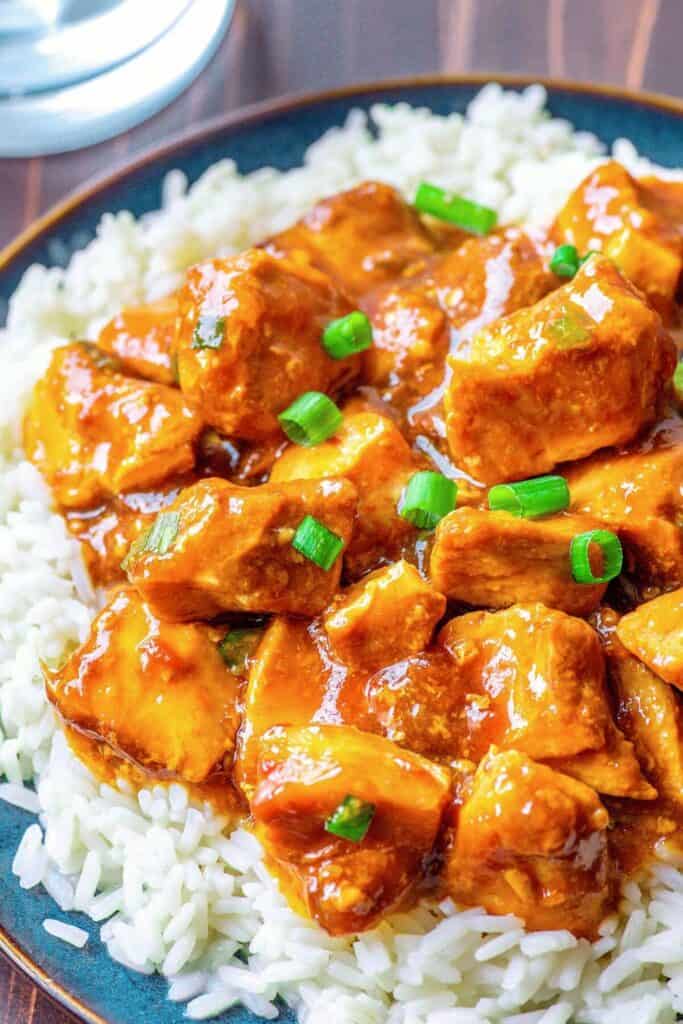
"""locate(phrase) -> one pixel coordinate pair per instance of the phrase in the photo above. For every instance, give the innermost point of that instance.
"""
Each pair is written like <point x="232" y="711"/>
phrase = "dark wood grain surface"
<point x="283" y="46"/>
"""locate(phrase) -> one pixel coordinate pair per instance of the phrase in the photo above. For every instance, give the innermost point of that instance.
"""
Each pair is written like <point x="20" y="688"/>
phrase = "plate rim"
<point x="208" y="129"/>
<point x="292" y="102"/>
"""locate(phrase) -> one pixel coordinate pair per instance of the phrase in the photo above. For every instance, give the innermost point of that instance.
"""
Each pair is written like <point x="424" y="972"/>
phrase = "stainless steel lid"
<point x="75" y="72"/>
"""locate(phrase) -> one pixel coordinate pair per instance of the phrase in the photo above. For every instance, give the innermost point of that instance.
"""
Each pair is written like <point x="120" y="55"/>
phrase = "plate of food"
<point x="341" y="556"/>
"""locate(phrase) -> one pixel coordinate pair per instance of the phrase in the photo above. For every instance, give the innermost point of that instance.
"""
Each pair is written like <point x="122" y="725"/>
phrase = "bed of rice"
<point x="175" y="890"/>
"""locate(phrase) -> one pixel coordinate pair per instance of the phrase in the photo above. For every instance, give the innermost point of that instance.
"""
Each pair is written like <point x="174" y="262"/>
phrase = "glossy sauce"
<point x="586" y="750"/>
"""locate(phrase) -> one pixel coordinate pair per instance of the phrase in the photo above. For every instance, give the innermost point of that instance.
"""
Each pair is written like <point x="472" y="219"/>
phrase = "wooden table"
<point x="281" y="46"/>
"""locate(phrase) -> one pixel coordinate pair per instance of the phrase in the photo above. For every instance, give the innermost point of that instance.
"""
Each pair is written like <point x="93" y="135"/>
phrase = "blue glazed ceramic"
<point x="88" y="982"/>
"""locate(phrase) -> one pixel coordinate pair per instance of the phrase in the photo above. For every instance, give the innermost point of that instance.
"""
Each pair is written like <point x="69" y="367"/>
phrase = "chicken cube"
<point x="648" y="712"/>
<point x="531" y="842"/>
<point x="583" y="368"/>
<point x="361" y="623"/>
<point x="370" y="451"/>
<point x="421" y="703"/>
<point x="304" y="776"/>
<point x="418" y="320"/>
<point x="615" y="770"/>
<point x="611" y="211"/>
<point x="361" y="237"/>
<point x="533" y="679"/>
<point x="287" y="652"/>
<point x="332" y="657"/>
<point x="157" y="694"/>
<point x="544" y="673"/>
<point x="250" y="340"/>
<point x="654" y="633"/>
<point x="142" y="339"/>
<point x="93" y="432"/>
<point x="223" y="548"/>
<point x="638" y="493"/>
<point x="411" y="339"/>
<point x="496" y="559"/>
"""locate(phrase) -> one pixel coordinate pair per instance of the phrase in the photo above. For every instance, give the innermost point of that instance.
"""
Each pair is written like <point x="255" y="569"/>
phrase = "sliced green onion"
<point x="678" y="379"/>
<point x="540" y="496"/>
<point x="158" y="538"/>
<point x="612" y="556"/>
<point x="209" y="331"/>
<point x="316" y="543"/>
<point x="164" y="531"/>
<point x="568" y="331"/>
<point x="310" y="419"/>
<point x="565" y="261"/>
<point x="237" y="646"/>
<point x="350" y="334"/>
<point x="351" y="820"/>
<point x="175" y="372"/>
<point x="427" y="499"/>
<point x="469" y="216"/>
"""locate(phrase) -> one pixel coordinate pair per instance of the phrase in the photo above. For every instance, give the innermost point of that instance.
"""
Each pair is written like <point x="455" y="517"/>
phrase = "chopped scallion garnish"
<point x="157" y="539"/>
<point x="175" y="372"/>
<point x="469" y="216"/>
<point x="209" y="331"/>
<point x="427" y="499"/>
<point x="565" y="261"/>
<point x="351" y="819"/>
<point x="678" y="379"/>
<point x="348" y="335"/>
<point x="164" y="531"/>
<point x="310" y="419"/>
<point x="316" y="543"/>
<point x="237" y="646"/>
<point x="540" y="496"/>
<point x="568" y="331"/>
<point x="611" y="552"/>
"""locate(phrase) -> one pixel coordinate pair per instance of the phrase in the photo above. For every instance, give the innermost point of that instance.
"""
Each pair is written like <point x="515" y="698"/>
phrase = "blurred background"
<point x="242" y="51"/>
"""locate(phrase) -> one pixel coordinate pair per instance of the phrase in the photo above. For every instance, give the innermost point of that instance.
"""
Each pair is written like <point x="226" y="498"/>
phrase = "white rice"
<point x="174" y="890"/>
<point x="66" y="932"/>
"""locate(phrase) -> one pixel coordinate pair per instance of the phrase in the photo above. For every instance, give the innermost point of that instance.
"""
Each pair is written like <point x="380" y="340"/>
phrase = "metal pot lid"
<point x="71" y="84"/>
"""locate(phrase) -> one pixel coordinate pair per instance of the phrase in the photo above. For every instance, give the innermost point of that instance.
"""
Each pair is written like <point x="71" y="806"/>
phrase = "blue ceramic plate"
<point x="91" y="985"/>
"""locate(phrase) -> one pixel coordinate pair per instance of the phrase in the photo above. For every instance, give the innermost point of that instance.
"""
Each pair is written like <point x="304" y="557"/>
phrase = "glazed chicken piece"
<point x="654" y="633"/>
<point x="390" y="614"/>
<point x="107" y="531"/>
<point x="222" y="548"/>
<point x="361" y="237"/>
<point x="648" y="712"/>
<point x="496" y="559"/>
<point x="304" y="775"/>
<point x="332" y="657"/>
<point x="528" y="678"/>
<point x="664" y="197"/>
<point x="142" y="338"/>
<point x="418" y="320"/>
<point x="422" y="704"/>
<point x="583" y="368"/>
<point x="156" y="694"/>
<point x="638" y="493"/>
<point x="612" y="212"/>
<point x="250" y="340"/>
<point x="287" y="652"/>
<point x="543" y="674"/>
<point x="370" y="451"/>
<point x="530" y="841"/>
<point x="94" y="433"/>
